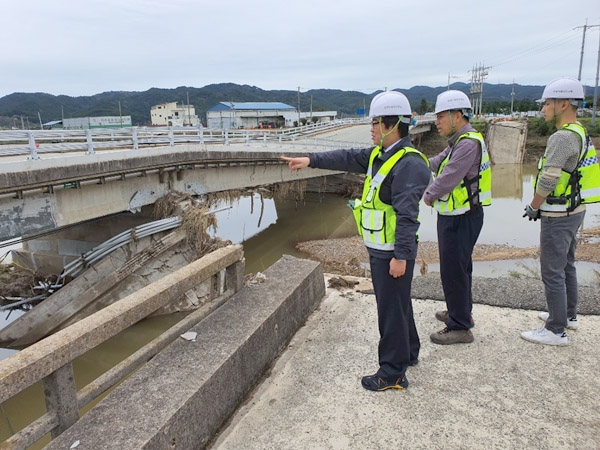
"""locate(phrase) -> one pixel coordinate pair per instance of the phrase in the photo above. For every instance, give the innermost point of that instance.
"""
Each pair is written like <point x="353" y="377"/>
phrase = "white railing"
<point x="34" y="142"/>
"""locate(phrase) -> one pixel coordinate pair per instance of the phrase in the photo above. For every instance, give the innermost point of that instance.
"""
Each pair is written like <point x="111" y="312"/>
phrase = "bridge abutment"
<point x="184" y="395"/>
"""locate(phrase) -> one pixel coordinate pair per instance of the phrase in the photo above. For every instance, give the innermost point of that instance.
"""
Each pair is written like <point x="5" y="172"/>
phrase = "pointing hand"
<point x="297" y="163"/>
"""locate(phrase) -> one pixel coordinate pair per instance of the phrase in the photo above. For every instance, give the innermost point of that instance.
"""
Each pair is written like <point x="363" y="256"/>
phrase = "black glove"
<point x="533" y="214"/>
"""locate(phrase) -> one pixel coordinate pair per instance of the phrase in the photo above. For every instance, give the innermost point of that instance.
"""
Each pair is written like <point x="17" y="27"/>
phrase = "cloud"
<point x="62" y="48"/>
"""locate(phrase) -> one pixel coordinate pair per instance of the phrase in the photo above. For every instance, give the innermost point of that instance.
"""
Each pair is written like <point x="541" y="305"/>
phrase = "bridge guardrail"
<point x="51" y="359"/>
<point x="34" y="142"/>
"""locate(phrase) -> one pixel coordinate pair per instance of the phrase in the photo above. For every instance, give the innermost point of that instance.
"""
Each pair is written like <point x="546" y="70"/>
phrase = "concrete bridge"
<point x="72" y="180"/>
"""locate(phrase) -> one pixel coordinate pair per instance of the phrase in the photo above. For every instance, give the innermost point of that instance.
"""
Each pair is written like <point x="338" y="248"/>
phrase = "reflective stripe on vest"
<point x="585" y="178"/>
<point x="457" y="202"/>
<point x="376" y="220"/>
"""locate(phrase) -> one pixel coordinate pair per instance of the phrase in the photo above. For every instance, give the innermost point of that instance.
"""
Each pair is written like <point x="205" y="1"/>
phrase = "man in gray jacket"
<point x="462" y="186"/>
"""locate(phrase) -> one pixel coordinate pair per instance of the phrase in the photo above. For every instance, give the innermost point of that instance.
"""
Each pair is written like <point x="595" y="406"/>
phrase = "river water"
<point x="270" y="228"/>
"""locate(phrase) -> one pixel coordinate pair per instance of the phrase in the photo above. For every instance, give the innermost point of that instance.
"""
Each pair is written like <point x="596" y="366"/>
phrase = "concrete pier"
<point x="506" y="142"/>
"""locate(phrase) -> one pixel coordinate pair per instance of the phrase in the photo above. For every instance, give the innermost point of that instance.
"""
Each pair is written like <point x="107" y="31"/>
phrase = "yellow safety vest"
<point x="577" y="187"/>
<point x="459" y="200"/>
<point x="376" y="220"/>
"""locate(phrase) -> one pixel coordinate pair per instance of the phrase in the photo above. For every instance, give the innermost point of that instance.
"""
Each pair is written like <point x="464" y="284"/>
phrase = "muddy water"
<point x="269" y="228"/>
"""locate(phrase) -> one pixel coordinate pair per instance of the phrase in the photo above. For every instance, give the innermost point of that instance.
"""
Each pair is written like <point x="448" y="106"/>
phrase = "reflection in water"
<point x="507" y="181"/>
<point x="504" y="222"/>
<point x="316" y="217"/>
<point x="269" y="228"/>
<point x="244" y="217"/>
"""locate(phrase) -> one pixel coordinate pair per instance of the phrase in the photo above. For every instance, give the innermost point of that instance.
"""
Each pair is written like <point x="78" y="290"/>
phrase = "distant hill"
<point x="138" y="104"/>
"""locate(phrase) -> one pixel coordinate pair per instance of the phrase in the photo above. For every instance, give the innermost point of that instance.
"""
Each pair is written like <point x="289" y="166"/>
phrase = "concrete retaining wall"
<point x="183" y="396"/>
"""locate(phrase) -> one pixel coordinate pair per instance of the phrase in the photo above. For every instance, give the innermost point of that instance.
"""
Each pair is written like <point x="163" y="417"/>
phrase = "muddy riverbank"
<point x="348" y="256"/>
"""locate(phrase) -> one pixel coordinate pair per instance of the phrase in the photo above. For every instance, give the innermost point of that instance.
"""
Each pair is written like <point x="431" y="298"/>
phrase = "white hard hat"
<point x="390" y="103"/>
<point x="452" y="100"/>
<point x="567" y="88"/>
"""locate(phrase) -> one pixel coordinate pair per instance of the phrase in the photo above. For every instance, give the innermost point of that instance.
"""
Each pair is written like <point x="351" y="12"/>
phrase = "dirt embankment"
<point x="348" y="256"/>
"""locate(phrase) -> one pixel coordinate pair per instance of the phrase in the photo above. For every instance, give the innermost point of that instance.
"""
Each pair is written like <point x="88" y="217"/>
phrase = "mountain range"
<point x="35" y="107"/>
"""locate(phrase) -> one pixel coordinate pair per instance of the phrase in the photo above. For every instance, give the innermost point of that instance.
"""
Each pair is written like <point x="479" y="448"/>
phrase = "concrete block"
<point x="506" y="142"/>
<point x="183" y="396"/>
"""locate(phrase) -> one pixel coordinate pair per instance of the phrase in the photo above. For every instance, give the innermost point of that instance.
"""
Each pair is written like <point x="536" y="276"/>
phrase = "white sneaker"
<point x="545" y="336"/>
<point x="571" y="321"/>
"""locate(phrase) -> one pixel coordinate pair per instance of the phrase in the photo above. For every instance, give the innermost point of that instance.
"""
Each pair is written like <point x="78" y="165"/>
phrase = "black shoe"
<point x="377" y="383"/>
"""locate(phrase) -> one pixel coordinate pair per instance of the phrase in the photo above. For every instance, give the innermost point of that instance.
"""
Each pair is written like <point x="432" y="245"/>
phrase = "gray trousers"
<point x="558" y="242"/>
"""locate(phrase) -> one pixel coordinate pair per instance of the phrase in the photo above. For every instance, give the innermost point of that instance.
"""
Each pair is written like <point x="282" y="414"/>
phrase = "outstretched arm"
<point x="297" y="163"/>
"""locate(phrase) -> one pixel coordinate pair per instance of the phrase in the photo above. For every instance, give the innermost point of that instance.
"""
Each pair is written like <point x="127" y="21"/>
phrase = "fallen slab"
<point x="187" y="392"/>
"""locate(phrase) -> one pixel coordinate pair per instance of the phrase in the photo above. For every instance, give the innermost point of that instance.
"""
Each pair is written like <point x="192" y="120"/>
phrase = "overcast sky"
<point x="93" y="46"/>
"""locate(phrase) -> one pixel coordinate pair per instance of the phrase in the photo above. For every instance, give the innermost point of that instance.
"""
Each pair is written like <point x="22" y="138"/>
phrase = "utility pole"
<point x="298" y="105"/>
<point x="512" y="98"/>
<point x="478" y="74"/>
<point x="120" y="116"/>
<point x="40" y="117"/>
<point x="188" y="105"/>
<point x="595" y="108"/>
<point x="585" y="28"/>
<point x="449" y="77"/>
<point x="582" y="46"/>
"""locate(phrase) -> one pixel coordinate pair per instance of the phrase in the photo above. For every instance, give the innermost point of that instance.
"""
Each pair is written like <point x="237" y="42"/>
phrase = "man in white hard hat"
<point x="387" y="220"/>
<point x="461" y="187"/>
<point x="568" y="177"/>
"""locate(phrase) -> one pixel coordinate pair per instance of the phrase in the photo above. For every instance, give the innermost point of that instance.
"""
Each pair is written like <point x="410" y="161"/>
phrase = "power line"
<point x="538" y="48"/>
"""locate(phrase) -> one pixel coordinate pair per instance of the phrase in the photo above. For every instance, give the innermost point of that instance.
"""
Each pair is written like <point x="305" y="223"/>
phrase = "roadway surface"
<point x="499" y="392"/>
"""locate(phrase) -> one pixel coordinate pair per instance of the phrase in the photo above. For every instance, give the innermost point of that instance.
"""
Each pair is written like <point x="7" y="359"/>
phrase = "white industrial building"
<point x="171" y="114"/>
<point x="251" y="115"/>
<point x="85" y="123"/>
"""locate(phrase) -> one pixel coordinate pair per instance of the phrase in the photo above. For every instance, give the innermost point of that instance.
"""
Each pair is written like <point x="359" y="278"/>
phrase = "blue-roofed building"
<point x="252" y="115"/>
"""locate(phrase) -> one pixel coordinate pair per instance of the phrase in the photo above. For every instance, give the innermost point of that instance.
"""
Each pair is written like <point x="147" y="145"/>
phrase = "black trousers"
<point x="398" y="339"/>
<point x="457" y="236"/>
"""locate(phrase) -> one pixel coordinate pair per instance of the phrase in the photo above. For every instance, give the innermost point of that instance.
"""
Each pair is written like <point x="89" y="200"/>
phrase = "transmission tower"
<point x="478" y="74"/>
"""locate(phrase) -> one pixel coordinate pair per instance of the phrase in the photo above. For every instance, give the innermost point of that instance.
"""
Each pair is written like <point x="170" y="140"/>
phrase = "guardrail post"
<point x="226" y="137"/>
<point x="134" y="137"/>
<point x="247" y="138"/>
<point x="32" y="146"/>
<point x="201" y="133"/>
<point x="234" y="276"/>
<point x="90" y="142"/>
<point x="171" y="137"/>
<point x="61" y="397"/>
<point x="265" y="140"/>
